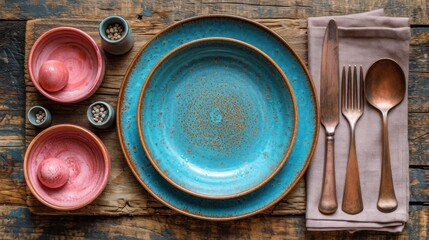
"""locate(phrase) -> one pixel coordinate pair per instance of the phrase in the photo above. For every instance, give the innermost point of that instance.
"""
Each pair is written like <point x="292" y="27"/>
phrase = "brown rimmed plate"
<point x="217" y="118"/>
<point x="308" y="116"/>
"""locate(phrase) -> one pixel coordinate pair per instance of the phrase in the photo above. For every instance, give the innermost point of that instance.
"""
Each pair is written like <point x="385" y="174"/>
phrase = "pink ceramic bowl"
<point x="80" y="54"/>
<point x="85" y="157"/>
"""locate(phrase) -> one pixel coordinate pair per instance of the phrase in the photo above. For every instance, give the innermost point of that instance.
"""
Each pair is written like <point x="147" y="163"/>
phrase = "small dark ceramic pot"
<point x="109" y="118"/>
<point x="32" y="118"/>
<point x="120" y="46"/>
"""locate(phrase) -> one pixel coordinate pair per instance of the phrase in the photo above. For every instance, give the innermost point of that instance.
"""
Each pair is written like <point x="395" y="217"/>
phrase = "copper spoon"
<point x="384" y="89"/>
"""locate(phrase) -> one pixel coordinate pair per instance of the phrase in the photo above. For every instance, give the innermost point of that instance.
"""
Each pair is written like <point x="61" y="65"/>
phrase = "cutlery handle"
<point x="352" y="198"/>
<point x="386" y="199"/>
<point x="328" y="200"/>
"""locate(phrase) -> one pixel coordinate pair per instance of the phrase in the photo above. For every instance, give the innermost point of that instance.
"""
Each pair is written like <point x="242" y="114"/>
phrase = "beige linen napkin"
<point x="364" y="38"/>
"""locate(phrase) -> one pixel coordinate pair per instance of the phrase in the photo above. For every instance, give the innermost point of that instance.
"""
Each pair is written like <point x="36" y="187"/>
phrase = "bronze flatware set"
<point x="384" y="88"/>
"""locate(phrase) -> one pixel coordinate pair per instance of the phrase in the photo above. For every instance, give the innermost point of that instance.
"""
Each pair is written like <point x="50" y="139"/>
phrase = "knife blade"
<point x="330" y="113"/>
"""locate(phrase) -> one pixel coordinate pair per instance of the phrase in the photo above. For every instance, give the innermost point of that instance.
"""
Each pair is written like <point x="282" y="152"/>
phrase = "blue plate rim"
<point x="313" y="93"/>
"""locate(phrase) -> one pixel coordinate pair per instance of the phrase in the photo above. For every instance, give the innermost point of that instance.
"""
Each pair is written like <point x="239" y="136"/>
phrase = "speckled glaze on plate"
<point x="305" y="94"/>
<point x="217" y="118"/>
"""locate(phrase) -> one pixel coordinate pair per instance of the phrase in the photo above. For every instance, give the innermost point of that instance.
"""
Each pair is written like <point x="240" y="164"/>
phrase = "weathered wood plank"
<point x="12" y="183"/>
<point x="418" y="96"/>
<point x="12" y="108"/>
<point x="168" y="10"/>
<point x="12" y="91"/>
<point x="11" y="125"/>
<point x="18" y="223"/>
<point x="418" y="89"/>
<point x="419" y="71"/>
<point x="419" y="48"/>
<point x="419" y="185"/>
<point x="418" y="138"/>
<point x="131" y="198"/>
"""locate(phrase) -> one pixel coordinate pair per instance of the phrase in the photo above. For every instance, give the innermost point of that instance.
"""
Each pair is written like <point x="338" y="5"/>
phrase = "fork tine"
<point x="349" y="88"/>
<point x="355" y="89"/>
<point x="361" y="102"/>
<point x="343" y="89"/>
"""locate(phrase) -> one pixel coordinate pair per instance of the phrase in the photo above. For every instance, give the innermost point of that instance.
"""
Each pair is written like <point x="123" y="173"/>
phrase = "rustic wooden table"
<point x="125" y="209"/>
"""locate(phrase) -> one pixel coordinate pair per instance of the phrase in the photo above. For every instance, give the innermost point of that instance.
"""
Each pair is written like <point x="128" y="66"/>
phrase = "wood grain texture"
<point x="13" y="186"/>
<point x="418" y="138"/>
<point x="418" y="97"/>
<point x="168" y="10"/>
<point x="12" y="91"/>
<point x="150" y="219"/>
<point x="12" y="111"/>
<point x="419" y="185"/>
<point x="124" y="195"/>
<point x="11" y="61"/>
<point x="18" y="223"/>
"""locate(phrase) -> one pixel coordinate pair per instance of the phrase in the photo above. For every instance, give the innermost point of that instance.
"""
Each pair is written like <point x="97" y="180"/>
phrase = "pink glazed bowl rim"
<point x="88" y="134"/>
<point x="90" y="41"/>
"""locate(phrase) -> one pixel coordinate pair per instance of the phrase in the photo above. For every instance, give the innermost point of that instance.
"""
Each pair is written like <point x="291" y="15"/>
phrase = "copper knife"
<point x="330" y="114"/>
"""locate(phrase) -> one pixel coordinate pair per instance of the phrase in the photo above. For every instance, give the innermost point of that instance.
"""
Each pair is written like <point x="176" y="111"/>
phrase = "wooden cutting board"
<point x="123" y="194"/>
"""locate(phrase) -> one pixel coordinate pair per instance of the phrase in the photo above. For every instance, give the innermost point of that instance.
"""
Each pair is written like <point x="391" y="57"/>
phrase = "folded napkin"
<point x="363" y="39"/>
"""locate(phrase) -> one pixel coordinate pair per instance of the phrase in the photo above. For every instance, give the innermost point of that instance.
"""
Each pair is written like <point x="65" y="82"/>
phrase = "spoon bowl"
<point x="385" y="87"/>
<point x="385" y="84"/>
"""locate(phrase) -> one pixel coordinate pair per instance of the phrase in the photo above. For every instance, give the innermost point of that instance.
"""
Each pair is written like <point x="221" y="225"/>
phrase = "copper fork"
<point x="352" y="106"/>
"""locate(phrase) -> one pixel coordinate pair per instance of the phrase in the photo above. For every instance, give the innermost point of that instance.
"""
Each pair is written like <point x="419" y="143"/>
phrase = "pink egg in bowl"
<point x="81" y="56"/>
<point x="66" y="167"/>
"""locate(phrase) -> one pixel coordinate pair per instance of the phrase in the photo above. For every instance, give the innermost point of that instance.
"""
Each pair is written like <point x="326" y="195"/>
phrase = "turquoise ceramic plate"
<point x="217" y="118"/>
<point x="306" y="99"/>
